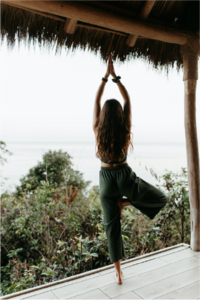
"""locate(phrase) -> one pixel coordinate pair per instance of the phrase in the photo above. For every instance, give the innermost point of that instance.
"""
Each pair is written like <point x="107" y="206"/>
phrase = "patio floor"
<point x="170" y="273"/>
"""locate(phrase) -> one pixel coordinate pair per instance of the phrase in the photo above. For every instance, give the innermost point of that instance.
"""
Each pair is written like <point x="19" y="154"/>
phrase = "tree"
<point x="176" y="213"/>
<point x="55" y="168"/>
<point x="3" y="151"/>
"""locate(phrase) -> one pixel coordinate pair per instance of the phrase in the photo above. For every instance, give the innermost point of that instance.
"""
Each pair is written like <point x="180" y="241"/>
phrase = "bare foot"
<point x="121" y="207"/>
<point x="119" y="279"/>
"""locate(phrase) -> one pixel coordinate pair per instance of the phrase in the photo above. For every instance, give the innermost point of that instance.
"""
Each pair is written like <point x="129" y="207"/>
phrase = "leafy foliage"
<point x="176" y="214"/>
<point x="46" y="237"/>
<point x="3" y="152"/>
<point x="51" y="230"/>
<point x="56" y="168"/>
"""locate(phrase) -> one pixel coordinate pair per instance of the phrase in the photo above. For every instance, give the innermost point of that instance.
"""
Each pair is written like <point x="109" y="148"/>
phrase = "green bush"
<point x="174" y="220"/>
<point x="46" y="236"/>
<point x="3" y="152"/>
<point x="54" y="231"/>
<point x="55" y="168"/>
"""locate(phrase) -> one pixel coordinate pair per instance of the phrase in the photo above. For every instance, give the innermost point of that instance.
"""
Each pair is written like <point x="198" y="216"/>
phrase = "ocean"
<point x="146" y="157"/>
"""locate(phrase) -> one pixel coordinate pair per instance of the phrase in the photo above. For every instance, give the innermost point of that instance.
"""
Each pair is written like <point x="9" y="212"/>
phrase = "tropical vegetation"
<point x="51" y="227"/>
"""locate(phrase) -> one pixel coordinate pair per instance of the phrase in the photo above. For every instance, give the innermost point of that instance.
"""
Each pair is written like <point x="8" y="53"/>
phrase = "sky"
<point x="50" y="97"/>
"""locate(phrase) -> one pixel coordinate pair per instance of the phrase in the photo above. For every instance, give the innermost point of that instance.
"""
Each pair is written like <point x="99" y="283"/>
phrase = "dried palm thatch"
<point x="31" y="27"/>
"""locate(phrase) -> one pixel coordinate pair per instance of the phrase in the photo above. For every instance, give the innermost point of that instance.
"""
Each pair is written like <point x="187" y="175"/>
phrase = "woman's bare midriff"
<point x="111" y="165"/>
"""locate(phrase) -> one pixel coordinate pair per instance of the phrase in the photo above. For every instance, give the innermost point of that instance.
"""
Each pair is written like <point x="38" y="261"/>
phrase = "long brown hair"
<point x="113" y="133"/>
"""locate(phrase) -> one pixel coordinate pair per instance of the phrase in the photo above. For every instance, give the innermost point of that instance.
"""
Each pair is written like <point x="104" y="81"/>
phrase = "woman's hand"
<point x="112" y="71"/>
<point x="108" y="67"/>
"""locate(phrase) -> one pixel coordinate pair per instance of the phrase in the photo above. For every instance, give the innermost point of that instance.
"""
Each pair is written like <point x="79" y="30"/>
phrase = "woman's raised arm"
<point x="125" y="95"/>
<point x="97" y="103"/>
<point x="127" y="103"/>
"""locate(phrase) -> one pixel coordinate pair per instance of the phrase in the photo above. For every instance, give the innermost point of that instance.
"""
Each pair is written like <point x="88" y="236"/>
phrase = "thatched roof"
<point x="48" y="29"/>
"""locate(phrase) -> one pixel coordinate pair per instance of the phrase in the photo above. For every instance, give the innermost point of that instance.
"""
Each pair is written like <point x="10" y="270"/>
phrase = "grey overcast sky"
<point x="48" y="97"/>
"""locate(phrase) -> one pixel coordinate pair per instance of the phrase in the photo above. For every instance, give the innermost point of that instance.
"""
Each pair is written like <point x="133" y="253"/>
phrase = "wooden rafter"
<point x="126" y="12"/>
<point x="99" y="17"/>
<point x="112" y="8"/>
<point x="96" y="3"/>
<point x="70" y="25"/>
<point x="51" y="16"/>
<point x="62" y="19"/>
<point x="145" y="11"/>
<point x="81" y="24"/>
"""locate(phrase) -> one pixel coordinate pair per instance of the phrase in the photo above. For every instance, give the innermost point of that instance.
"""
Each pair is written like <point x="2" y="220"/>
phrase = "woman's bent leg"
<point x="141" y="194"/>
<point x="122" y="203"/>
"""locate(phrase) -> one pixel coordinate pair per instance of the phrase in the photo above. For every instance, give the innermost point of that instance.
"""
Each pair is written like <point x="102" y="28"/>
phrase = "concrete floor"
<point x="172" y="274"/>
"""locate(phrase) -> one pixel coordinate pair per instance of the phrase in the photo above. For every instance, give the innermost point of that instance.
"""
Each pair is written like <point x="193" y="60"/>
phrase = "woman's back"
<point x="113" y="134"/>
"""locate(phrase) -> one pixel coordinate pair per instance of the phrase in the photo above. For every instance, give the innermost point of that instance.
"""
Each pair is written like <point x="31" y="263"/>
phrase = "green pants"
<point x="116" y="182"/>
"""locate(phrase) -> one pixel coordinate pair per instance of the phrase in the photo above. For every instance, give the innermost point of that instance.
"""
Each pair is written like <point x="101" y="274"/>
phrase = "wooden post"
<point x="190" y="67"/>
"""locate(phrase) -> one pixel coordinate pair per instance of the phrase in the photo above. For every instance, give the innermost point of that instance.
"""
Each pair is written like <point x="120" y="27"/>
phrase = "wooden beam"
<point x="38" y="12"/>
<point x="112" y="8"/>
<point x="79" y="11"/>
<point x="190" y="76"/>
<point x="145" y="11"/>
<point x="126" y="12"/>
<point x="62" y="19"/>
<point x="70" y="26"/>
<point x="100" y="4"/>
<point x="81" y="24"/>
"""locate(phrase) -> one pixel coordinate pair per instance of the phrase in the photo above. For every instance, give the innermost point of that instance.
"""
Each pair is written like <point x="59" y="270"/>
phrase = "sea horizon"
<point x="156" y="156"/>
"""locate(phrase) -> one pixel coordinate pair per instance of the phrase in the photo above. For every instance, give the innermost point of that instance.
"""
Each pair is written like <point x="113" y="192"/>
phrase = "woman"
<point x="112" y="128"/>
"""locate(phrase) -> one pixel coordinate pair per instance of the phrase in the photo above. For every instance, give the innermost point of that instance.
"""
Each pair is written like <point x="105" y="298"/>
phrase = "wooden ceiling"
<point x="161" y="21"/>
<point x="78" y="11"/>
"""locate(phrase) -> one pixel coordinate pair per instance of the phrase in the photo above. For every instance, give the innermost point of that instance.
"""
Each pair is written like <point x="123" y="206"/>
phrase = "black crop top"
<point x="115" y="162"/>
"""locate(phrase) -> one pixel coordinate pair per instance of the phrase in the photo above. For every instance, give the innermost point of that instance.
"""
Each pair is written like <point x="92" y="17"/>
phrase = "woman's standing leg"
<point x="119" y="274"/>
<point x="109" y="196"/>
